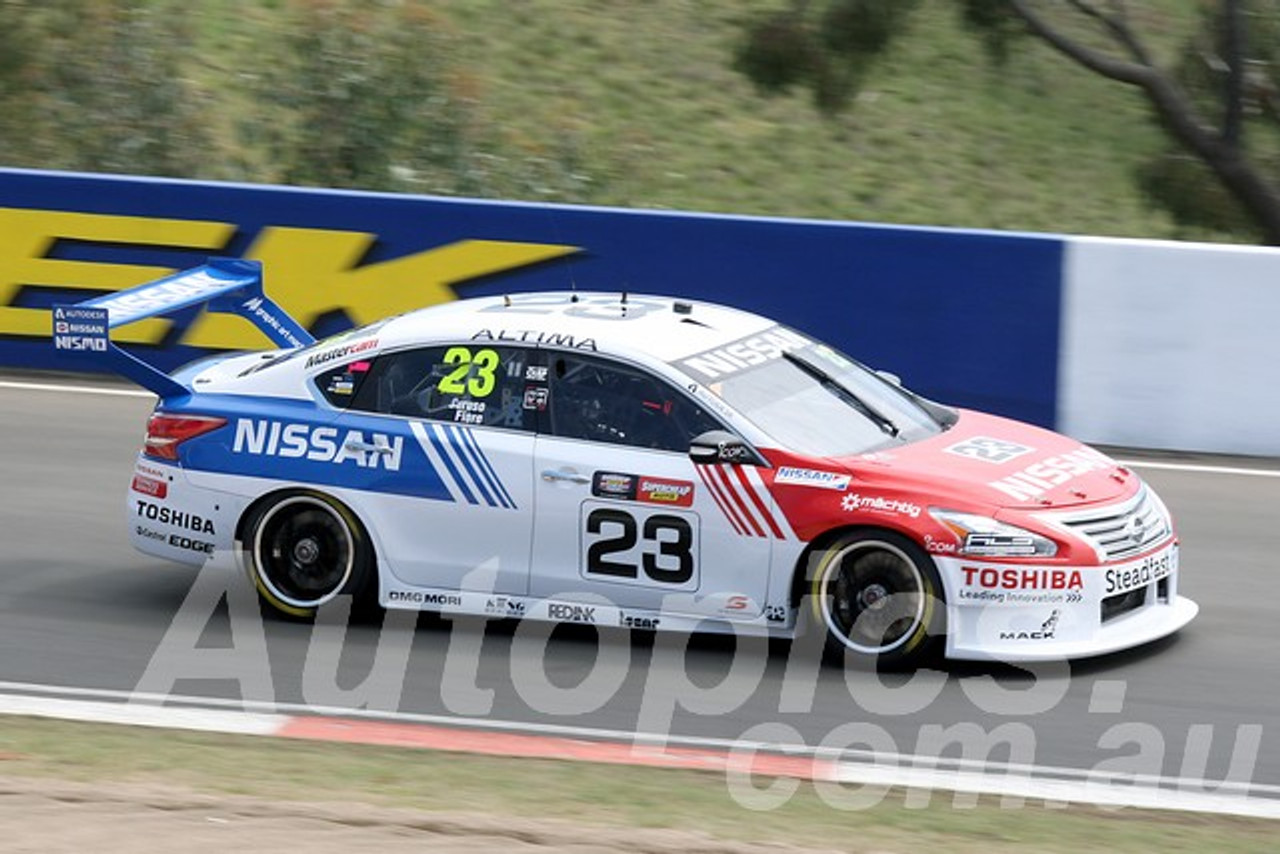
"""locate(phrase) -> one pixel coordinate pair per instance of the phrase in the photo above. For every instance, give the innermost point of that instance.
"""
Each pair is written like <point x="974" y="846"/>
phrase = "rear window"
<point x="340" y="384"/>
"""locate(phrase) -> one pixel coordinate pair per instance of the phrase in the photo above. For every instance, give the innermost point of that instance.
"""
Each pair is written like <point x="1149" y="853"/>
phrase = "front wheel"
<point x="304" y="549"/>
<point x="877" y="595"/>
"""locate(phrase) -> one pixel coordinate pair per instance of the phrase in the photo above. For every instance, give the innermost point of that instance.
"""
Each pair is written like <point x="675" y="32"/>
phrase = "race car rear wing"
<point x="224" y="285"/>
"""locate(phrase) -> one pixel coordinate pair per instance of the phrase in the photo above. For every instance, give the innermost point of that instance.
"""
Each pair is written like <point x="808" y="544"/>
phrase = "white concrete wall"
<point x="1170" y="345"/>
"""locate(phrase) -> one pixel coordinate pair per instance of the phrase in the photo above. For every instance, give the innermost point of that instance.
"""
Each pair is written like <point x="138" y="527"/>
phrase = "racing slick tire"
<point x="303" y="549"/>
<point x="878" y="598"/>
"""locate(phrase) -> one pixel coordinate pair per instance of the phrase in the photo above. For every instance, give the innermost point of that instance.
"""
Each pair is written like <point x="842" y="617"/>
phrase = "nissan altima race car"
<point x="632" y="461"/>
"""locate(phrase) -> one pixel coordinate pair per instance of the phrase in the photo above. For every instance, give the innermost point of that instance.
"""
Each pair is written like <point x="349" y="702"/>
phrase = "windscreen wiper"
<point x="832" y="384"/>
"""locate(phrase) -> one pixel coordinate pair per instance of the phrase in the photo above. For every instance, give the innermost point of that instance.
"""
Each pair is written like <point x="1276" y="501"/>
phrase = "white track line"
<point x="1057" y="785"/>
<point x="75" y="389"/>
<point x="203" y="720"/>
<point x="1200" y="469"/>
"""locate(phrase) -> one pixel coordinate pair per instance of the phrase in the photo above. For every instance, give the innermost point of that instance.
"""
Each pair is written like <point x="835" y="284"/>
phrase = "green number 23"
<point x="461" y="380"/>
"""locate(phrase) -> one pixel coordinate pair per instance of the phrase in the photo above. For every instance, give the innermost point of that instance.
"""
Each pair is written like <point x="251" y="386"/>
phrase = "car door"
<point x="621" y="511"/>
<point x="456" y="510"/>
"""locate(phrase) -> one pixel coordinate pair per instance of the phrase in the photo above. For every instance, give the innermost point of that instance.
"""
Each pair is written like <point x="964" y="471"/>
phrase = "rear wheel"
<point x="877" y="595"/>
<point x="304" y="549"/>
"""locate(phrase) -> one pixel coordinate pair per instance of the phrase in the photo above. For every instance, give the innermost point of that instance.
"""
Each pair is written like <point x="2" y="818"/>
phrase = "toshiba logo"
<point x="1022" y="579"/>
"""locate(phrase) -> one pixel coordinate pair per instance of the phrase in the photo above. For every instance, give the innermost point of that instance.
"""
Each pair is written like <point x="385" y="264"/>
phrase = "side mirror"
<point x="721" y="446"/>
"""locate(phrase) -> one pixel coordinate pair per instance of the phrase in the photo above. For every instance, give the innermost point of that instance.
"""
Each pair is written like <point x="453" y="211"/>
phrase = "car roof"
<point x="660" y="327"/>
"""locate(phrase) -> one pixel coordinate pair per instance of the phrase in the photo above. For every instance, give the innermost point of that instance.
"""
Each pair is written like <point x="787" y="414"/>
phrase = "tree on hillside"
<point x="1219" y="103"/>
<point x="96" y="85"/>
<point x="357" y="95"/>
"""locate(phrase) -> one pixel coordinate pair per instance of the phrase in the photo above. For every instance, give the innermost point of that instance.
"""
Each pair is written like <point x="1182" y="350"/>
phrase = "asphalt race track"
<point x="79" y="608"/>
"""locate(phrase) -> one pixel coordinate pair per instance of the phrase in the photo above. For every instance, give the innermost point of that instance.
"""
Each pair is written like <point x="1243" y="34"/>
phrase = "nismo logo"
<point x="310" y="271"/>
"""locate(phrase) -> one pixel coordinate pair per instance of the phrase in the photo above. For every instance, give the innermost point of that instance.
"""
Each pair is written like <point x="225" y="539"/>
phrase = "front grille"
<point x="1123" y="603"/>
<point x="1123" y="530"/>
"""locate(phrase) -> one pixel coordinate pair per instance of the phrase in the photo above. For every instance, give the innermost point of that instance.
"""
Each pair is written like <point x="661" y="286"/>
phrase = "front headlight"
<point x="982" y="536"/>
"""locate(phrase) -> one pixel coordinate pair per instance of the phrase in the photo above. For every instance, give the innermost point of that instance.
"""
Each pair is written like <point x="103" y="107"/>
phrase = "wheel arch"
<point x="255" y="506"/>
<point x="354" y="519"/>
<point x="800" y="579"/>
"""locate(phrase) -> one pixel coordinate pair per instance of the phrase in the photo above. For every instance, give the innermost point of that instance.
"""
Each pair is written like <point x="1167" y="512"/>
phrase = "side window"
<point x="603" y="401"/>
<point x="463" y="384"/>
<point x="341" y="384"/>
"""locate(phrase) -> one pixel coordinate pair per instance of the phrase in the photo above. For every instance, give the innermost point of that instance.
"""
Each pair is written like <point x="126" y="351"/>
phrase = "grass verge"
<point x="590" y="795"/>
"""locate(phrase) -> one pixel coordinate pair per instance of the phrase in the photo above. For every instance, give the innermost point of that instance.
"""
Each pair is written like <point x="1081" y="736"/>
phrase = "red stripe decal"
<point x="760" y="505"/>
<point x="737" y="500"/>
<point x="714" y="490"/>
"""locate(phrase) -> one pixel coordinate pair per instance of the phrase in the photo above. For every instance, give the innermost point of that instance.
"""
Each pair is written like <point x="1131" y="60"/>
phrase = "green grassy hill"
<point x="634" y="103"/>
<point x="642" y="98"/>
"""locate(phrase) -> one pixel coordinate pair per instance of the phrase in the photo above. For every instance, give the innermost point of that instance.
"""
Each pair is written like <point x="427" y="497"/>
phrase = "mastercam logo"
<point x="312" y="272"/>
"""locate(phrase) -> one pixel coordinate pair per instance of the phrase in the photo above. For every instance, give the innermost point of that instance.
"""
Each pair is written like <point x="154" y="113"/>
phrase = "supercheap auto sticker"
<point x="438" y="462"/>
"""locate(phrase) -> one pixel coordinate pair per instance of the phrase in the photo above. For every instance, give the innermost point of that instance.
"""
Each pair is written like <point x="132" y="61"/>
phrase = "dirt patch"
<point x="57" y="816"/>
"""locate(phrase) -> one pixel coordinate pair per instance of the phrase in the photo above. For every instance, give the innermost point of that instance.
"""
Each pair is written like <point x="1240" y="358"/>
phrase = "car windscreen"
<point x="815" y="400"/>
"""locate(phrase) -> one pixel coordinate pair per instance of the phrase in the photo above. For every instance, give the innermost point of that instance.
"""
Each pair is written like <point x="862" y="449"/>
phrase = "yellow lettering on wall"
<point x="27" y="236"/>
<point x="311" y="271"/>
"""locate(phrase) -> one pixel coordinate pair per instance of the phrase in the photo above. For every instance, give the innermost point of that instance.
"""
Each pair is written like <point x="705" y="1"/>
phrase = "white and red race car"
<point x="631" y="461"/>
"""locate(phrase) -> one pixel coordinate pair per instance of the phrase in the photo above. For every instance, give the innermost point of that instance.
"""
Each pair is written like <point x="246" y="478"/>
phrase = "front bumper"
<point x="1008" y="612"/>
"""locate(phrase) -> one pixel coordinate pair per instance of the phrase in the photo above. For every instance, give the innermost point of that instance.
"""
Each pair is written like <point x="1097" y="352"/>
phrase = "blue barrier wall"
<point x="968" y="318"/>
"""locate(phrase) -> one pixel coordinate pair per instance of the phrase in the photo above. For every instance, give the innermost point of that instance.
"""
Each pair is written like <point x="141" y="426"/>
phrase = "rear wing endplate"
<point x="224" y="285"/>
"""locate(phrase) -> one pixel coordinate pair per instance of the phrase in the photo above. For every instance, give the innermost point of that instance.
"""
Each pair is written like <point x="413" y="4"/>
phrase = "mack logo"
<point x="747" y="353"/>
<point x="276" y="439"/>
<point x="1046" y="632"/>
<point x="1038" y="478"/>
<point x="176" y="518"/>
<point x="571" y="613"/>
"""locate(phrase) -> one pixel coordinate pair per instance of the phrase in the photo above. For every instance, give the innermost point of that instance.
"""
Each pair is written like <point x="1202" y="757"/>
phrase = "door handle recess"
<point x="551" y="476"/>
<point x="359" y="447"/>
